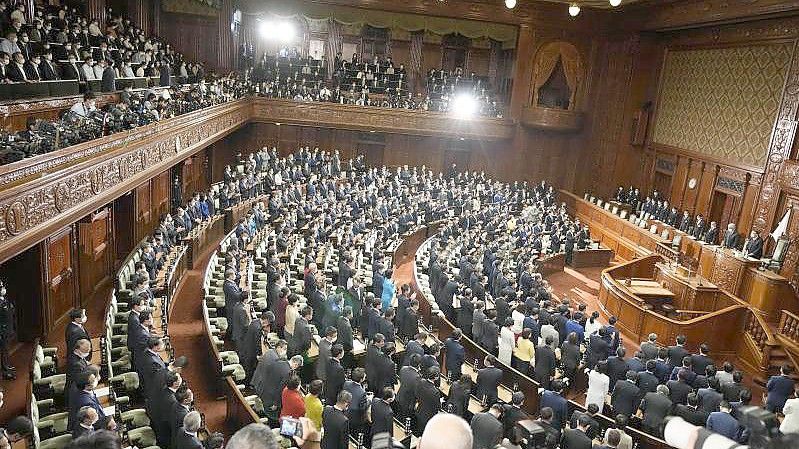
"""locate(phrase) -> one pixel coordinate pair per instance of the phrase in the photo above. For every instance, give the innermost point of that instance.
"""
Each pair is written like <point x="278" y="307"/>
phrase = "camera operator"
<point x="83" y="108"/>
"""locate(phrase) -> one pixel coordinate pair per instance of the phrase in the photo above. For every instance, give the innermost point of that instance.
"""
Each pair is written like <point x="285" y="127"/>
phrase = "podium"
<point x="766" y="291"/>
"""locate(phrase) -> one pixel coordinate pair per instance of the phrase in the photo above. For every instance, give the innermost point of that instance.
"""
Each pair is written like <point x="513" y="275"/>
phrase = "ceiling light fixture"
<point x="510" y="4"/>
<point x="574" y="9"/>
<point x="615" y="3"/>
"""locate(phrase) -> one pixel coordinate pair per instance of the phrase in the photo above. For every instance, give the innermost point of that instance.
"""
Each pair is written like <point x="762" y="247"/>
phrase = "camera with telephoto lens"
<point x="761" y="425"/>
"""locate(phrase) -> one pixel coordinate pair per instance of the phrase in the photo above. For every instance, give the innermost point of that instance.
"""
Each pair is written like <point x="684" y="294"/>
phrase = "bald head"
<point x="446" y="431"/>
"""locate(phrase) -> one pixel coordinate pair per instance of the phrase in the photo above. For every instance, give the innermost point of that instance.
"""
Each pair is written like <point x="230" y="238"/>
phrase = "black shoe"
<point x="9" y="376"/>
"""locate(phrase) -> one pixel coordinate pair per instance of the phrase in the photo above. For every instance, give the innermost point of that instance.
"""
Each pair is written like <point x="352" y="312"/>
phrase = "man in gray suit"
<point x="271" y="375"/>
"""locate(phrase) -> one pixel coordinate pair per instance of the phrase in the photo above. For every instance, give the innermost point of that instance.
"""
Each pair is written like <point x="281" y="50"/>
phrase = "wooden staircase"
<point x="779" y="347"/>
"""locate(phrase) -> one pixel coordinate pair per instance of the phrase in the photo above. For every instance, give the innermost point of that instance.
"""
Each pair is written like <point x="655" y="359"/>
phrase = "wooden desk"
<point x="720" y="327"/>
<point x="645" y="290"/>
<point x="599" y="257"/>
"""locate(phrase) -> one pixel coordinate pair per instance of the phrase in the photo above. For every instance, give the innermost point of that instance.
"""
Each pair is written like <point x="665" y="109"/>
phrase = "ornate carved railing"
<point x="47" y="192"/>
<point x="397" y="121"/>
<point x="756" y="348"/>
<point x="41" y="194"/>
<point x="789" y="326"/>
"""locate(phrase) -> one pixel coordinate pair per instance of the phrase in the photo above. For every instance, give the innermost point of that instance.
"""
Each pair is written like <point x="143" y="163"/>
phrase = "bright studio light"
<point x="615" y="2"/>
<point x="574" y="9"/>
<point x="277" y="31"/>
<point x="510" y="4"/>
<point x="464" y="106"/>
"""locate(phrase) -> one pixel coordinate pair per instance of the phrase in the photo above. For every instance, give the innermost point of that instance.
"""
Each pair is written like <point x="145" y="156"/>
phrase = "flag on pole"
<point x="782" y="226"/>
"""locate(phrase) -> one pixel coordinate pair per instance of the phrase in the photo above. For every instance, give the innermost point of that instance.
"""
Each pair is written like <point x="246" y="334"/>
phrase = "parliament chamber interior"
<point x="432" y="224"/>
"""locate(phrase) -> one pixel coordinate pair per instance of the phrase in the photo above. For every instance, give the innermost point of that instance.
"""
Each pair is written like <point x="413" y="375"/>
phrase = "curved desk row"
<point x="511" y="378"/>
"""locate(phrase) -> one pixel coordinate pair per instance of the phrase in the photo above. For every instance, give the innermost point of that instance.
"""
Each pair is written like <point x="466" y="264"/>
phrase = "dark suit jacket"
<point x="488" y="380"/>
<point x="335" y="380"/>
<point x="455" y="357"/>
<point x="575" y="439"/>
<point x="625" y="398"/>
<point x="251" y="348"/>
<point x="336" y="429"/>
<point x="148" y="365"/>
<point x="345" y="338"/>
<point x="678" y="391"/>
<point x="73" y="333"/>
<point x="699" y="362"/>
<point x="48" y="70"/>
<point x="647" y="382"/>
<point x="406" y="396"/>
<point x="593" y="429"/>
<point x="694" y="416"/>
<point x="80" y="431"/>
<point x="429" y="397"/>
<point x="676" y="354"/>
<point x="81" y="399"/>
<point x="301" y="340"/>
<point x="545" y="362"/>
<point x="724" y="424"/>
<point x="270" y="377"/>
<point x="655" y="407"/>
<point x="15" y="73"/>
<point x="559" y="405"/>
<point x="178" y="413"/>
<point x="382" y="417"/>
<point x="486" y="431"/>
<point x="75" y="366"/>
<point x="356" y="413"/>
<point x="70" y="72"/>
<point x="779" y="388"/>
<point x="185" y="441"/>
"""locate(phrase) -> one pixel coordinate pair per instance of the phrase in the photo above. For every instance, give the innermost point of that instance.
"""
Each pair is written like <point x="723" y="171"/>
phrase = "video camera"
<point x="762" y="426"/>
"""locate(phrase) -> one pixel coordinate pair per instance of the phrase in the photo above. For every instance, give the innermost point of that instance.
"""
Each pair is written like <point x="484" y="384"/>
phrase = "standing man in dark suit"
<point x="655" y="407"/>
<point x="648" y="380"/>
<point x="77" y="361"/>
<point x="455" y="354"/>
<point x="382" y="414"/>
<point x="182" y="406"/>
<point x="187" y="435"/>
<point x="75" y="330"/>
<point x="85" y="419"/>
<point x="576" y="438"/>
<point x="545" y="363"/>
<point x="554" y="400"/>
<point x="677" y="352"/>
<point x="701" y="361"/>
<point x="356" y="413"/>
<point x="148" y="364"/>
<point x="252" y="345"/>
<point x="300" y="342"/>
<point x="335" y="377"/>
<point x="779" y="388"/>
<point x="487" y="428"/>
<point x="429" y="397"/>
<point x="488" y="380"/>
<point x="231" y="289"/>
<point x="331" y="335"/>
<point x="109" y="78"/>
<point x="160" y="409"/>
<point x="409" y="378"/>
<point x="345" y="335"/>
<point x="336" y="424"/>
<point x="679" y="389"/>
<point x="626" y="395"/>
<point x="85" y="396"/>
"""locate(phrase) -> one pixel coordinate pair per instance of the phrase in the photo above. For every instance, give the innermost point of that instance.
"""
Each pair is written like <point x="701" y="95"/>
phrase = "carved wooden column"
<point x="96" y="10"/>
<point x="782" y="139"/>
<point x="522" y="71"/>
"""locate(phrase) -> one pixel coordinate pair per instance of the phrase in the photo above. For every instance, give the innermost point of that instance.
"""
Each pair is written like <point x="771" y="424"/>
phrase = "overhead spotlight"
<point x="285" y="31"/>
<point x="265" y="29"/>
<point x="464" y="106"/>
<point x="615" y="2"/>
<point x="574" y="9"/>
<point x="510" y="4"/>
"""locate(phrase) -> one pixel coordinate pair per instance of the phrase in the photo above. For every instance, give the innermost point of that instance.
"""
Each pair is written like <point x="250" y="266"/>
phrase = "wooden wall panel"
<point x="95" y="252"/>
<point x="60" y="282"/>
<point x="192" y="35"/>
